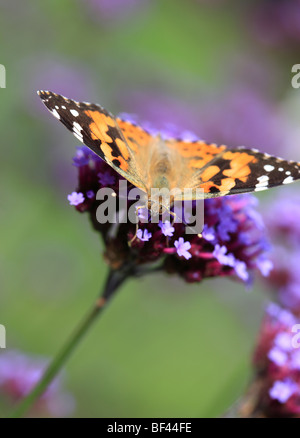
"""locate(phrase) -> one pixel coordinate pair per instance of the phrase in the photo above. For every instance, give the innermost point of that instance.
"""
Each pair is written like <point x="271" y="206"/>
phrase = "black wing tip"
<point x="45" y="94"/>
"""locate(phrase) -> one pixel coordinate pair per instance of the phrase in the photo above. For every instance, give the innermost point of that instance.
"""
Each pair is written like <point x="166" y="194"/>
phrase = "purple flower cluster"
<point x="277" y="364"/>
<point x="232" y="242"/>
<point x="19" y="373"/>
<point x="283" y="219"/>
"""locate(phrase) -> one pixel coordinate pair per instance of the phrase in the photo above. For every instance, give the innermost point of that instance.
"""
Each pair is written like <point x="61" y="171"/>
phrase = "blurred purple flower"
<point x="240" y="117"/>
<point x="275" y="22"/>
<point x="106" y="178"/>
<point x="243" y="117"/>
<point x="19" y="373"/>
<point x="283" y="219"/>
<point x="164" y="114"/>
<point x="283" y="390"/>
<point x="82" y="156"/>
<point x="277" y="366"/>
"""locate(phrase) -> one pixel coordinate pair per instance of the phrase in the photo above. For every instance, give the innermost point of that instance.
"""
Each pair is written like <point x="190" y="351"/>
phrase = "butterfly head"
<point x="159" y="203"/>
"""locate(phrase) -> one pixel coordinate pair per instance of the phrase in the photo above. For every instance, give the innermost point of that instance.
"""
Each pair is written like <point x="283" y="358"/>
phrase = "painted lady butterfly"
<point x="150" y="162"/>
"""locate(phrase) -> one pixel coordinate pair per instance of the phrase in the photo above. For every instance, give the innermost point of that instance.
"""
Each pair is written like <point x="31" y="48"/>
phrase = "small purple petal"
<point x="264" y="265"/>
<point x="182" y="248"/>
<point x="295" y="360"/>
<point x="75" y="198"/>
<point x="90" y="194"/>
<point x="241" y="270"/>
<point x="284" y="341"/>
<point x="227" y="225"/>
<point x="106" y="178"/>
<point x="143" y="236"/>
<point x="283" y="390"/>
<point x="82" y="156"/>
<point x="167" y="229"/>
<point x="223" y="258"/>
<point x="208" y="233"/>
<point x="278" y="356"/>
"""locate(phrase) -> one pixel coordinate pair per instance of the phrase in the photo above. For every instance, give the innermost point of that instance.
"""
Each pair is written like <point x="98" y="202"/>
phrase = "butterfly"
<point x="148" y="161"/>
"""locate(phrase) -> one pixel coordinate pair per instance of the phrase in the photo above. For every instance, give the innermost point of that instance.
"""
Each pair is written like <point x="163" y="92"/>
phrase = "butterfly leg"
<point x="137" y="225"/>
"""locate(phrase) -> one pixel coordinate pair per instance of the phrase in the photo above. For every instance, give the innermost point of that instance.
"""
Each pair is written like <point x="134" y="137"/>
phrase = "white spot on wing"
<point x="259" y="189"/>
<point x="269" y="168"/>
<point x="55" y="113"/>
<point x="263" y="179"/>
<point x="288" y="180"/>
<point x="77" y="126"/>
<point x="74" y="112"/>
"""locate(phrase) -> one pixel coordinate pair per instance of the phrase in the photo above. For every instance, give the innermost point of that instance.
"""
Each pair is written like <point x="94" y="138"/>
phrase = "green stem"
<point x="114" y="280"/>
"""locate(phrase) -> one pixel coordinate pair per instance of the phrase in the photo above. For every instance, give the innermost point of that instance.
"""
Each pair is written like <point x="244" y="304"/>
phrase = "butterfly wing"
<point x="220" y="171"/>
<point x="100" y="131"/>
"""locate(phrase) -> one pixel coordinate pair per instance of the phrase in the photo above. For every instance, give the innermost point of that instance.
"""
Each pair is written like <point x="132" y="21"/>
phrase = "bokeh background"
<point x="219" y="69"/>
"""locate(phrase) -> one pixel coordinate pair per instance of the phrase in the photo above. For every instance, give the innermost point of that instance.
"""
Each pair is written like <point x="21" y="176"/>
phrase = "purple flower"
<point x="106" y="178"/>
<point x="241" y="270"/>
<point x="167" y="229"/>
<point x="277" y="356"/>
<point x="283" y="341"/>
<point x="282" y="391"/>
<point x="222" y="257"/>
<point x="295" y="360"/>
<point x="283" y="219"/>
<point x="76" y="198"/>
<point x="144" y="235"/>
<point x="19" y="373"/>
<point x="208" y="233"/>
<point x="90" y="194"/>
<point x="265" y="266"/>
<point x="227" y="226"/>
<point x="82" y="156"/>
<point x="277" y="365"/>
<point x="182" y="248"/>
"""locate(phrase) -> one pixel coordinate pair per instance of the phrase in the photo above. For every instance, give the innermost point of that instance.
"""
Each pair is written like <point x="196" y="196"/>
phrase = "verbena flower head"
<point x="19" y="373"/>
<point x="232" y="244"/>
<point x="283" y="219"/>
<point x="277" y="365"/>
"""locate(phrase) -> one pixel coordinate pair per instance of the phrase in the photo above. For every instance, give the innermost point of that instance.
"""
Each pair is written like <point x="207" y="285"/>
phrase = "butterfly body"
<point x="150" y="162"/>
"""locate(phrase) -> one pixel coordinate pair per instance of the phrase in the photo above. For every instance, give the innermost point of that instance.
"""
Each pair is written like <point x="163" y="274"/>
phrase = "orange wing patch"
<point x="104" y="128"/>
<point x="134" y="135"/>
<point x="200" y="153"/>
<point x="239" y="163"/>
<point x="224" y="187"/>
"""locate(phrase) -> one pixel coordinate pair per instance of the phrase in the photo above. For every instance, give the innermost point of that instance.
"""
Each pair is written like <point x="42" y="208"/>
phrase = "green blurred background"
<point x="163" y="348"/>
